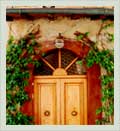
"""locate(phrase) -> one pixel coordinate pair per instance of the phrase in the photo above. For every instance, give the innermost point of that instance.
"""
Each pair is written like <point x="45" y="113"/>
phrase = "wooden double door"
<point x="60" y="100"/>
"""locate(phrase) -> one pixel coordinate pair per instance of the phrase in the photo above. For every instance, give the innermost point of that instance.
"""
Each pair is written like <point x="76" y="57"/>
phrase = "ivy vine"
<point x="19" y="55"/>
<point x="105" y="59"/>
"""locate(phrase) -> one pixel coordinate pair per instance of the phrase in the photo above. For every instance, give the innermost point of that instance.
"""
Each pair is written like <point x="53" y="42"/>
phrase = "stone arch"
<point x="74" y="46"/>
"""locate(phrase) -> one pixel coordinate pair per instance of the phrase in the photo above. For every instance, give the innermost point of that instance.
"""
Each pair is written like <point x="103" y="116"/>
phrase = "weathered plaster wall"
<point x="49" y="29"/>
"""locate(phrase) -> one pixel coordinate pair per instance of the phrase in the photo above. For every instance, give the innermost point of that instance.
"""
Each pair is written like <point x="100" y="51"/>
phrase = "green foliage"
<point x="90" y="59"/>
<point x="110" y="37"/>
<point x="18" y="119"/>
<point x="106" y="79"/>
<point x="80" y="62"/>
<point x="81" y="36"/>
<point x="101" y="121"/>
<point x="108" y="25"/>
<point x="86" y="33"/>
<point x="36" y="63"/>
<point x="19" y="55"/>
<point x="105" y="58"/>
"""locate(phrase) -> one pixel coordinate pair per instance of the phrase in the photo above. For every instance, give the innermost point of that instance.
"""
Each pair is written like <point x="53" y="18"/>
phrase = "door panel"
<point x="37" y="100"/>
<point x="73" y="101"/>
<point x="45" y="102"/>
<point x="48" y="111"/>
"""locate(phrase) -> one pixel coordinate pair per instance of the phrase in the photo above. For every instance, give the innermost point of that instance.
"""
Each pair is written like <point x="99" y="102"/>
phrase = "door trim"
<point x="61" y="77"/>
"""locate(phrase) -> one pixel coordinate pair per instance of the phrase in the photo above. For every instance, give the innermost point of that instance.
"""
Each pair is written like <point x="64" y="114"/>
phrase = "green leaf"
<point x="10" y="41"/>
<point x="80" y="37"/>
<point x="80" y="62"/>
<point x="98" y="111"/>
<point x="43" y="54"/>
<point x="87" y="33"/>
<point x="108" y="25"/>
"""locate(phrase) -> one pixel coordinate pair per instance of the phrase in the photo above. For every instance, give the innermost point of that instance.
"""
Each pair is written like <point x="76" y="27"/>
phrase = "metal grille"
<point x="52" y="57"/>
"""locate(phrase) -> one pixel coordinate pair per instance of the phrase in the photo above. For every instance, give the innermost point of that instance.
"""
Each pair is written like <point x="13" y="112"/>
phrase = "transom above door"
<point x="60" y="62"/>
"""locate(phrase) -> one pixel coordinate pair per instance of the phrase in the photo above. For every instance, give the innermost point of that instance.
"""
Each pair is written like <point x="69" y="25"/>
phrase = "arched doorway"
<point x="88" y="81"/>
<point x="60" y="90"/>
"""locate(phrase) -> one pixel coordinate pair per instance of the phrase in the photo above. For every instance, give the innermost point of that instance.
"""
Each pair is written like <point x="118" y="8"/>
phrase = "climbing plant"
<point x="105" y="59"/>
<point x="19" y="55"/>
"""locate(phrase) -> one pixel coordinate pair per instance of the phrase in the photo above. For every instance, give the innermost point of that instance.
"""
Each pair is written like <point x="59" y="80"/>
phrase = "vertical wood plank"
<point x="63" y="102"/>
<point x="82" y="112"/>
<point x="72" y="105"/>
<point x="48" y="104"/>
<point x="85" y="101"/>
<point x="58" y="103"/>
<point x="39" y="104"/>
<point x="36" y="102"/>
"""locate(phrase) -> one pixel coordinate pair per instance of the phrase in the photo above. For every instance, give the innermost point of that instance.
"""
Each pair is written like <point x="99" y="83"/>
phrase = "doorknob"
<point x="47" y="113"/>
<point x="74" y="113"/>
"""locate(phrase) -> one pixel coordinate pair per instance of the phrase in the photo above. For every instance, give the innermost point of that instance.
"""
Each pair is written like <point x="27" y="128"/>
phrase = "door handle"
<point x="74" y="113"/>
<point x="47" y="113"/>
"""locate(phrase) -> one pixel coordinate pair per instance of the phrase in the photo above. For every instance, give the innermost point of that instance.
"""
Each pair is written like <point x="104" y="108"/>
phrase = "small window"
<point x="66" y="58"/>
